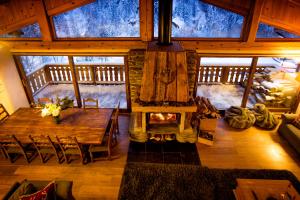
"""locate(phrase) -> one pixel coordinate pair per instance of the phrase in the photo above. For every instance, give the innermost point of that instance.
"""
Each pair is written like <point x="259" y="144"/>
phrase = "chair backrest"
<point x="42" y="142"/>
<point x="116" y="116"/>
<point x="44" y="100"/>
<point x="8" y="141"/>
<point x="69" y="142"/>
<point x="3" y="113"/>
<point x="110" y="140"/>
<point x="90" y="103"/>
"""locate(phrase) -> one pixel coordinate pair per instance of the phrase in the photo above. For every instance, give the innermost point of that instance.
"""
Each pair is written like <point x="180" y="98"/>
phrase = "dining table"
<point x="88" y="125"/>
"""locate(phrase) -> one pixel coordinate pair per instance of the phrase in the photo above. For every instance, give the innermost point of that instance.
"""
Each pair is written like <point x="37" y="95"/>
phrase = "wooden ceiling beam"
<point x="146" y="20"/>
<point x="252" y="21"/>
<point x="202" y="47"/>
<point x="74" y="46"/>
<point x="65" y="6"/>
<point x="43" y="20"/>
<point x="238" y="6"/>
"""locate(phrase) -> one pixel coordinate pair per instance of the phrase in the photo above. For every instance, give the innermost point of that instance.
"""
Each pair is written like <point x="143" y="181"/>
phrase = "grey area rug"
<point x="169" y="181"/>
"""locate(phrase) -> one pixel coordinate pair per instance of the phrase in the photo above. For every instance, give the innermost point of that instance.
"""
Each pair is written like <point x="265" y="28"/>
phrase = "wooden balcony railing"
<point x="224" y="74"/>
<point x="86" y="74"/>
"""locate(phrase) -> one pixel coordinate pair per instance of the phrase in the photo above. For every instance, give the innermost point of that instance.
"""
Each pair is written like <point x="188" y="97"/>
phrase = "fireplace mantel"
<point x="165" y="109"/>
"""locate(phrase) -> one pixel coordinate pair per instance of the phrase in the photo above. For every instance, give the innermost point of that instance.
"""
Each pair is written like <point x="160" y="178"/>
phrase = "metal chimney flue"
<point x="165" y="22"/>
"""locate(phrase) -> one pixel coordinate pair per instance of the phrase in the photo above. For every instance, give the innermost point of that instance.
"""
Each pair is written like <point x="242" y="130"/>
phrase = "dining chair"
<point x="44" y="100"/>
<point x="46" y="147"/>
<point x="70" y="146"/>
<point x="116" y="118"/>
<point x="11" y="145"/>
<point x="3" y="113"/>
<point x="106" y="145"/>
<point x="90" y="103"/>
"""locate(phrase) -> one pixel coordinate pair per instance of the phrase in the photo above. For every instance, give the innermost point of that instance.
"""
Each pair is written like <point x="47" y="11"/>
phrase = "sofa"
<point x="63" y="189"/>
<point x="290" y="132"/>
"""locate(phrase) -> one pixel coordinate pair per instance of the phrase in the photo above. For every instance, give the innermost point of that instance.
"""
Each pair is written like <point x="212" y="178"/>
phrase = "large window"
<point x="275" y="82"/>
<point x="194" y="18"/>
<point x="267" y="31"/>
<point x="113" y="18"/>
<point x="98" y="77"/>
<point x="102" y="78"/>
<point x="48" y="77"/>
<point x="222" y="80"/>
<point x="30" y="31"/>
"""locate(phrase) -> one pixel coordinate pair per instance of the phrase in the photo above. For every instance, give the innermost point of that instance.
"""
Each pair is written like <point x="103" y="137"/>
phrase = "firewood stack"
<point x="205" y="110"/>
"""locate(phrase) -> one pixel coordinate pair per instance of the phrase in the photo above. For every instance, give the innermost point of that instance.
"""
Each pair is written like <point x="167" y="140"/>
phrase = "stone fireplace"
<point x="162" y="83"/>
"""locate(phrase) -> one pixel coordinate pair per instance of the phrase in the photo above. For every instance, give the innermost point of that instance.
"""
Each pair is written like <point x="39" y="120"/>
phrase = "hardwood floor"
<point x="252" y="148"/>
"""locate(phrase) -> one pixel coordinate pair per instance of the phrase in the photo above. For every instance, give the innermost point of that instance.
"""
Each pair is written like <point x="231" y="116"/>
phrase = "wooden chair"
<point x="3" y="113"/>
<point x="44" y="100"/>
<point x="70" y="146"/>
<point x="11" y="145"/>
<point x="90" y="103"/>
<point x="46" y="147"/>
<point x="116" y="118"/>
<point x="106" y="145"/>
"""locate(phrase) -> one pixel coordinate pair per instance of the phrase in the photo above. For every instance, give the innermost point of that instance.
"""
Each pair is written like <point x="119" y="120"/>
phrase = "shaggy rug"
<point x="169" y="181"/>
<point x="170" y="152"/>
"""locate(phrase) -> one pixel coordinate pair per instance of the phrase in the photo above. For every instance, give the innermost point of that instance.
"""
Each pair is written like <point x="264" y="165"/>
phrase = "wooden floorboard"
<point x="251" y="148"/>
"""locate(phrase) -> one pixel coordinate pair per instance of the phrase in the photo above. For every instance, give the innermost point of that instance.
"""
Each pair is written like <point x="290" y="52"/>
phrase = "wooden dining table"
<point x="88" y="125"/>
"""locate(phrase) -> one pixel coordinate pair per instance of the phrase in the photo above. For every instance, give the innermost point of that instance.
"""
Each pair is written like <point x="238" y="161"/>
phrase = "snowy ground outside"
<point x="222" y="96"/>
<point x="107" y="95"/>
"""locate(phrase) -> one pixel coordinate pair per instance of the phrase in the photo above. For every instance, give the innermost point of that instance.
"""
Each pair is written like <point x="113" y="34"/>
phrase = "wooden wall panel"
<point x="15" y="14"/>
<point x="238" y="6"/>
<point x="283" y="14"/>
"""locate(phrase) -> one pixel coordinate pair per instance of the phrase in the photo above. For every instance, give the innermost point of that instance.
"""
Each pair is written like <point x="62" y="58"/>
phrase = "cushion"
<point x="23" y="189"/>
<point x="296" y="122"/>
<point x="46" y="193"/>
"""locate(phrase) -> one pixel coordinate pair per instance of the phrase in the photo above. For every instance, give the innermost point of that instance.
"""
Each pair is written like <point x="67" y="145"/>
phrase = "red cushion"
<point x="42" y="194"/>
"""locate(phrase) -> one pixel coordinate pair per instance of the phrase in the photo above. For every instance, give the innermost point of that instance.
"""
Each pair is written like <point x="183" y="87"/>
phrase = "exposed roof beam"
<point x="203" y="47"/>
<point x="146" y="20"/>
<point x="252" y="21"/>
<point x="43" y="20"/>
<point x="66" y="6"/>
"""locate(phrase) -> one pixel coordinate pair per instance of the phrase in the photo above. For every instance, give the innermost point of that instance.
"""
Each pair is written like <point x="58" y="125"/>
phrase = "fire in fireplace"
<point x="163" y="118"/>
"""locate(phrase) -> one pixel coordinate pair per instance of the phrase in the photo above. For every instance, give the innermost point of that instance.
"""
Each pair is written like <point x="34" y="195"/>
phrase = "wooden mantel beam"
<point x="202" y="47"/>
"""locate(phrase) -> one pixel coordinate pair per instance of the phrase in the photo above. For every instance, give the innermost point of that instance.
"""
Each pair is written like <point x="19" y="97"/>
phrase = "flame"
<point x="162" y="116"/>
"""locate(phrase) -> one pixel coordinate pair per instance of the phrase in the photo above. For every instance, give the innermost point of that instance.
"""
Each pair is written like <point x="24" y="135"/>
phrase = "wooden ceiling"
<point x="283" y="14"/>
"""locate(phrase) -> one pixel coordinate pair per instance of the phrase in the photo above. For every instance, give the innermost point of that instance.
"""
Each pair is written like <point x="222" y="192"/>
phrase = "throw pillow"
<point x="46" y="193"/>
<point x="23" y="189"/>
<point x="296" y="122"/>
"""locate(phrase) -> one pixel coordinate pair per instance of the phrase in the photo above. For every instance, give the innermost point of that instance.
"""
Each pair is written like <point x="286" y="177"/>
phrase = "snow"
<point x="267" y="31"/>
<point x="113" y="18"/>
<point x="194" y="18"/>
<point x="30" y="31"/>
<point x="33" y="63"/>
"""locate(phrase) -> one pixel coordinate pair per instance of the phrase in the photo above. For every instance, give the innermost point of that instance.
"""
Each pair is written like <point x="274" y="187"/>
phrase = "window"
<point x="113" y="18"/>
<point x="193" y="18"/>
<point x="30" y="31"/>
<point x="222" y="80"/>
<point x="267" y="31"/>
<point x="275" y="82"/>
<point x="102" y="78"/>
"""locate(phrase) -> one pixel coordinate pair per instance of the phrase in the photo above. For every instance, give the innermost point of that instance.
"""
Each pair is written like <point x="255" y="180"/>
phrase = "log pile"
<point x="205" y="110"/>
